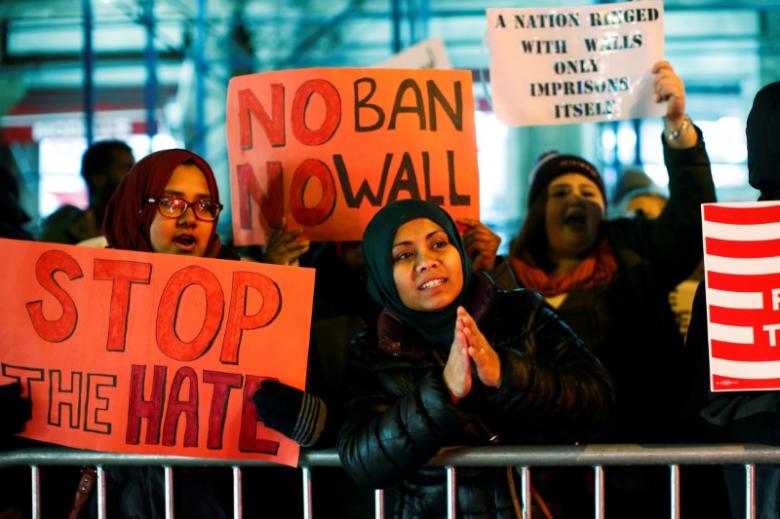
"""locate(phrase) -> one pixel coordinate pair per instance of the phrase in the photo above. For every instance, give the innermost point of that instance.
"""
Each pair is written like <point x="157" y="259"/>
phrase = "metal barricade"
<point x="597" y="456"/>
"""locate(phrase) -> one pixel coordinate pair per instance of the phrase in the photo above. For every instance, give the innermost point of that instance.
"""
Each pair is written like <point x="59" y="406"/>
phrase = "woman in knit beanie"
<point x="609" y="280"/>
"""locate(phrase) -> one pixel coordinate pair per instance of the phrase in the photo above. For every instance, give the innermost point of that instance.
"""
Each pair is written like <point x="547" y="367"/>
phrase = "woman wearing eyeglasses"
<point x="169" y="203"/>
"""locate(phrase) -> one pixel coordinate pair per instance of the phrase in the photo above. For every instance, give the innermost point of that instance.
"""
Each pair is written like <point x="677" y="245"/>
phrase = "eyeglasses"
<point x="173" y="207"/>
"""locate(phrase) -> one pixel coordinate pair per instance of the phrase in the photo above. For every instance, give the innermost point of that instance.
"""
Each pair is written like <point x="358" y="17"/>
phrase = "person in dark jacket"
<point x="609" y="280"/>
<point x="455" y="361"/>
<point x="12" y="217"/>
<point x="103" y="166"/>
<point x="748" y="417"/>
<point x="14" y="409"/>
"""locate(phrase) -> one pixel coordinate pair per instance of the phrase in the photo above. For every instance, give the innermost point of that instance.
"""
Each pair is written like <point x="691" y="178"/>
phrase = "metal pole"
<point x="598" y="476"/>
<point x="35" y="480"/>
<point x="637" y="123"/>
<point x="452" y="493"/>
<point x="425" y="18"/>
<point x="150" y="92"/>
<point x="238" y="492"/>
<point x="308" y="511"/>
<point x="750" y="491"/>
<point x="168" y="491"/>
<point x="88" y="63"/>
<point x="379" y="504"/>
<point x="525" y="490"/>
<point x="616" y="158"/>
<point x="200" y="79"/>
<point x="101" y="492"/>
<point x="396" y="11"/>
<point x="411" y="20"/>
<point x="674" y="491"/>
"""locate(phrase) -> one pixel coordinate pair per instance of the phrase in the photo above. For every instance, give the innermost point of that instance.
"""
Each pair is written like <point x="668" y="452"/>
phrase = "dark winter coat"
<point x="402" y="414"/>
<point x="627" y="323"/>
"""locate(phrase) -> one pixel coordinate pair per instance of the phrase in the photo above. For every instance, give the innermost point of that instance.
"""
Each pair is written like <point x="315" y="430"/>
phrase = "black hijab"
<point x="438" y="326"/>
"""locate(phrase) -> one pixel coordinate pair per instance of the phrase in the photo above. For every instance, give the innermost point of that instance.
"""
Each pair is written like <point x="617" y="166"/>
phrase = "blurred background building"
<point x="154" y="73"/>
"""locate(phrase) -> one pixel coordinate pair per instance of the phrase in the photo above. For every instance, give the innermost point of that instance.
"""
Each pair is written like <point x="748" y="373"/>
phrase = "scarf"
<point x="436" y="327"/>
<point x="597" y="268"/>
<point x="129" y="217"/>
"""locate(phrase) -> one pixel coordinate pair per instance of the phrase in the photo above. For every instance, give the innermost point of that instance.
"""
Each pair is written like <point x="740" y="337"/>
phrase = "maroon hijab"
<point x="128" y="216"/>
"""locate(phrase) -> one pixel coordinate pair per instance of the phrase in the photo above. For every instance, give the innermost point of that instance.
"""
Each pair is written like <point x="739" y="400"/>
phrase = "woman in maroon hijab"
<point x="169" y="202"/>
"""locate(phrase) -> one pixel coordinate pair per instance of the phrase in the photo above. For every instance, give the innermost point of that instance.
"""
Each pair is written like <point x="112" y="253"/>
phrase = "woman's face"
<point x="427" y="268"/>
<point x="184" y="234"/>
<point x="573" y="214"/>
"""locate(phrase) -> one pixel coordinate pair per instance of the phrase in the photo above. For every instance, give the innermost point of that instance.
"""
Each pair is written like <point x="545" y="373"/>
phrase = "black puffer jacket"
<point x="401" y="413"/>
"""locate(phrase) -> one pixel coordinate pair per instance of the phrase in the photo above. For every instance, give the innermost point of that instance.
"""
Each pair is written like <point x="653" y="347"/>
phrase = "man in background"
<point x="103" y="167"/>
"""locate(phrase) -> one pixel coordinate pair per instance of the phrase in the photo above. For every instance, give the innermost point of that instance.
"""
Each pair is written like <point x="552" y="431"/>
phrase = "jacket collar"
<point x="401" y="341"/>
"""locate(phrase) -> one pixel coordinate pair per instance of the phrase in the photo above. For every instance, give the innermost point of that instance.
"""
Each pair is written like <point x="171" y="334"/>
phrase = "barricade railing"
<point x="597" y="456"/>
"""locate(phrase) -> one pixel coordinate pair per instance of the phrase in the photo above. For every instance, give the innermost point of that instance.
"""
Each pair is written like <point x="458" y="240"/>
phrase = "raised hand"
<point x="284" y="246"/>
<point x="485" y="358"/>
<point x="457" y="371"/>
<point x="481" y="243"/>
<point x="669" y="88"/>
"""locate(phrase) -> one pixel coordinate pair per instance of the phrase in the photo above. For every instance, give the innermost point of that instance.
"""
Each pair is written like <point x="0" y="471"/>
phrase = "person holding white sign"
<point x="742" y="416"/>
<point x="609" y="279"/>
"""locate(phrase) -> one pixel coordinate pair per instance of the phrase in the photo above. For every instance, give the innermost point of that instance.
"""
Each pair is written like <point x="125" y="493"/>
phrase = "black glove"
<point x="298" y="415"/>
<point x="14" y="409"/>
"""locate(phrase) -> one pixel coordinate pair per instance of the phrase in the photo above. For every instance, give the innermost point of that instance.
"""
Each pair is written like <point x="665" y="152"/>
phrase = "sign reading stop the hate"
<point x="151" y="353"/>
<point x="327" y="148"/>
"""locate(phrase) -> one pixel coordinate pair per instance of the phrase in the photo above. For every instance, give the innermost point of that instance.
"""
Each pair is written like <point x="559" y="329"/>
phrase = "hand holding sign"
<point x="481" y="243"/>
<point x="285" y="246"/>
<point x="669" y="88"/>
<point x="297" y="414"/>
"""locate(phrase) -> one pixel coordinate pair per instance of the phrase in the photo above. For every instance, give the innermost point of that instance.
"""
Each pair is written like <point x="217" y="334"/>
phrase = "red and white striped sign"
<point x="742" y="264"/>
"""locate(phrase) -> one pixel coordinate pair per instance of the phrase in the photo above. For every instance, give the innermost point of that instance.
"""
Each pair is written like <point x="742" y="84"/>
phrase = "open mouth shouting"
<point x="575" y="219"/>
<point x="185" y="242"/>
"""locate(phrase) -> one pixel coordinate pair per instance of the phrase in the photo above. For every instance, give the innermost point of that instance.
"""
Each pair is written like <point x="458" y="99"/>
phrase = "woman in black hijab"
<point x="455" y="361"/>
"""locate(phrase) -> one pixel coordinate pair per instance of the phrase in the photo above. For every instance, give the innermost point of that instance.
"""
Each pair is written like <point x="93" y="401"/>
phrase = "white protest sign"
<point x="430" y="53"/>
<point x="575" y="64"/>
<point x="742" y="276"/>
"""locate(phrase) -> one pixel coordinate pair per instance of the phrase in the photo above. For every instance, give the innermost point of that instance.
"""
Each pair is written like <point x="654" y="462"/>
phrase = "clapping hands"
<point x="470" y="346"/>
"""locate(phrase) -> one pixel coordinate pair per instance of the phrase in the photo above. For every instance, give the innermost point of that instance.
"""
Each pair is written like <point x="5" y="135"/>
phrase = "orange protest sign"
<point x="151" y="353"/>
<point x="327" y="148"/>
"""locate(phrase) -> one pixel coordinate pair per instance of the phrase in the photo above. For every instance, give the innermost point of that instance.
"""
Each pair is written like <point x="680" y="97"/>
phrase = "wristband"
<point x="675" y="134"/>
